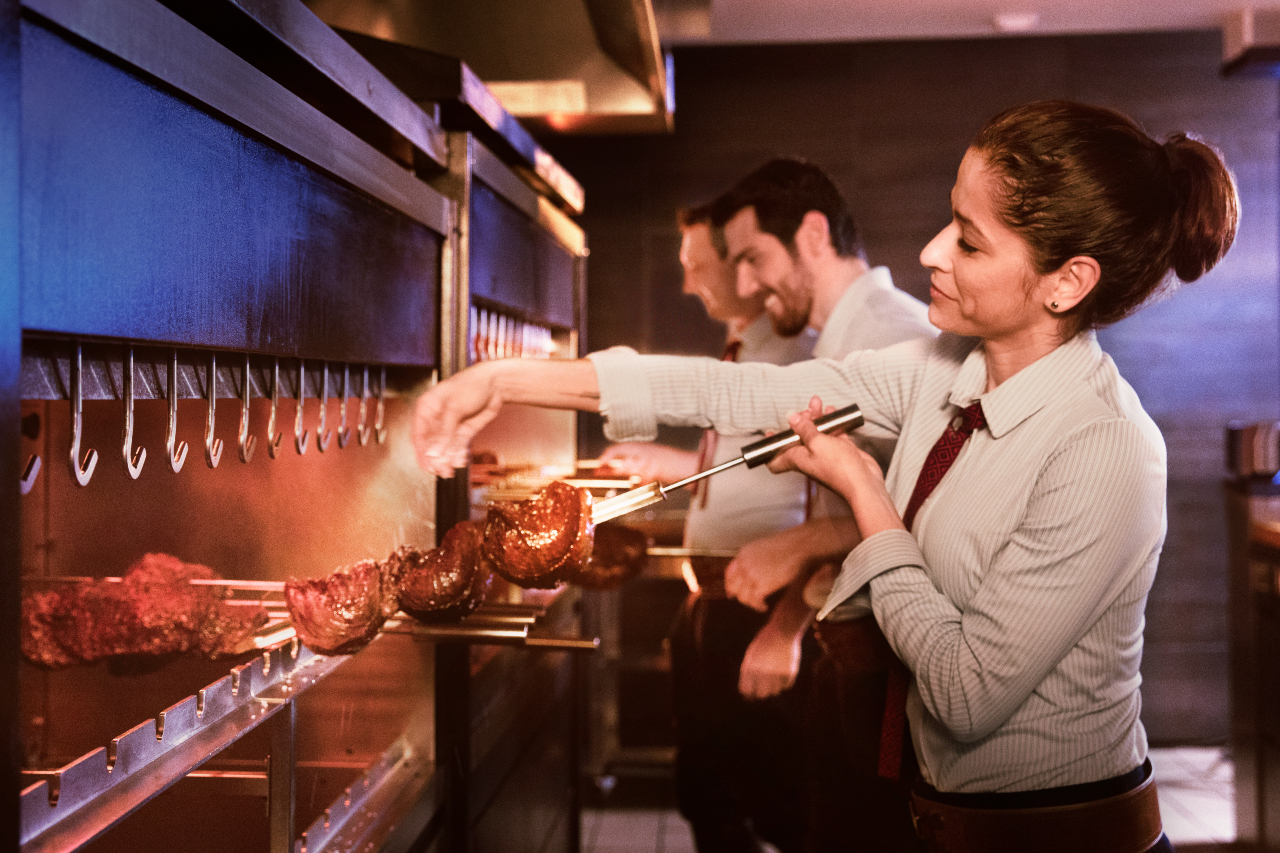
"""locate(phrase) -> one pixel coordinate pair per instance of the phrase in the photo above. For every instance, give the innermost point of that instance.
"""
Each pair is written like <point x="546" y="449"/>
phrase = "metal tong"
<point x="755" y="454"/>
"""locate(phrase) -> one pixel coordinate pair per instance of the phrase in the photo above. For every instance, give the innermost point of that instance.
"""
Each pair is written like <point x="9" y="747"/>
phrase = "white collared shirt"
<point x="1018" y="602"/>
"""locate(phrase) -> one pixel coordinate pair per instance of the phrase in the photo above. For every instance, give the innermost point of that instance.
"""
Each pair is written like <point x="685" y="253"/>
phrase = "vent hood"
<point x="1251" y="43"/>
<point x="569" y="66"/>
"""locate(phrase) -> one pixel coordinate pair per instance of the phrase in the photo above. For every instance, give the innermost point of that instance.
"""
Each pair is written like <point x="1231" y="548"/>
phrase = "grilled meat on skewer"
<point x="343" y="612"/>
<point x="446" y="583"/>
<point x="153" y="610"/>
<point x="538" y="542"/>
<point x="619" y="554"/>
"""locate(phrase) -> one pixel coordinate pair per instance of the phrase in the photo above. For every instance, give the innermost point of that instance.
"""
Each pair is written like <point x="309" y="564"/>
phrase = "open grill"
<point x="243" y="250"/>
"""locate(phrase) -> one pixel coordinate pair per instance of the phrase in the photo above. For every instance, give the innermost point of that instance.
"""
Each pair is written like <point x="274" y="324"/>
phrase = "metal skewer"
<point x="754" y="454"/>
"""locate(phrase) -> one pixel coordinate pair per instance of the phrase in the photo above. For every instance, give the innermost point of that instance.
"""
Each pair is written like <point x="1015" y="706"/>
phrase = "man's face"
<point x="711" y="278"/>
<point x="764" y="265"/>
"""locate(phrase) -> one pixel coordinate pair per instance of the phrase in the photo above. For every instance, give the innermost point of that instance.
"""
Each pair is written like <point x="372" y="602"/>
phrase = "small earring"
<point x="1053" y="306"/>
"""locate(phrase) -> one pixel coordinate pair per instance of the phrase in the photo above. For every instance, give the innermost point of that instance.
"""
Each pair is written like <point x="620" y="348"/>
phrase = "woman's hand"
<point x="842" y="466"/>
<point x="448" y="416"/>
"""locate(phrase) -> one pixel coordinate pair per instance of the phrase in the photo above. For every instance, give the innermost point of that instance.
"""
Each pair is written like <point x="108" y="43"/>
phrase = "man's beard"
<point x="794" y="318"/>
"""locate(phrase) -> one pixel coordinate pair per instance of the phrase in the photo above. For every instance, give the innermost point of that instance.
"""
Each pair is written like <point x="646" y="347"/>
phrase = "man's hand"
<point x="770" y="665"/>
<point x="764" y="566"/>
<point x="650" y="462"/>
<point x="772" y="661"/>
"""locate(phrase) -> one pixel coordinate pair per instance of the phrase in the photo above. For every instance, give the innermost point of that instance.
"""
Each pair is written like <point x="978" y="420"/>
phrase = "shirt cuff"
<point x="626" y="401"/>
<point x="888" y="550"/>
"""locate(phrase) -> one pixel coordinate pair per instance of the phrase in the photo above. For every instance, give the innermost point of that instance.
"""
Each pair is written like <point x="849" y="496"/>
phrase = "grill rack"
<point x="65" y="808"/>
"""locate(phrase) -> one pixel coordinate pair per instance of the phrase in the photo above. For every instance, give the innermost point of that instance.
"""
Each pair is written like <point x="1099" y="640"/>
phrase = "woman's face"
<point x="982" y="282"/>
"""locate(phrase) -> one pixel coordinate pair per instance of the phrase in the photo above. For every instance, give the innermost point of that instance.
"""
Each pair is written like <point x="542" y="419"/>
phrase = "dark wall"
<point x="890" y="122"/>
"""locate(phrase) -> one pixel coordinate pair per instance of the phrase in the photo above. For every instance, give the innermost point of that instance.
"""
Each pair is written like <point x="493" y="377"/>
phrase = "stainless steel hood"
<point x="571" y="66"/>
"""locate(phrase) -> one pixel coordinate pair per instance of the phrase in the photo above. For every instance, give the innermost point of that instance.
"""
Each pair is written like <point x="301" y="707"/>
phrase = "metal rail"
<point x="77" y="803"/>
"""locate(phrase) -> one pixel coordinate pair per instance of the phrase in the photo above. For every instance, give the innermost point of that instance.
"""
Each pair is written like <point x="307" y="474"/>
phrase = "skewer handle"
<point x="841" y="420"/>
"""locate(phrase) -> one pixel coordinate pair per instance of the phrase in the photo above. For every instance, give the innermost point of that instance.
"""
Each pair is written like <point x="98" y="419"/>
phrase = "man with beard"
<point x="791" y="237"/>
<point x="740" y="769"/>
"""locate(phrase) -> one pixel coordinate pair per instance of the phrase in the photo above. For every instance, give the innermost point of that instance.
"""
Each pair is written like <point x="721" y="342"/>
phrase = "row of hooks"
<point x="82" y="467"/>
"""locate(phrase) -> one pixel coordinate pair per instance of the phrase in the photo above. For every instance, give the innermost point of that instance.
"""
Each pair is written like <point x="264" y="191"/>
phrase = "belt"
<point x="1124" y="823"/>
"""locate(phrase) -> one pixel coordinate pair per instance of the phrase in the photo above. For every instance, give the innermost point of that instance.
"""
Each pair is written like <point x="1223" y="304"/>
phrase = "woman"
<point x="1015" y="592"/>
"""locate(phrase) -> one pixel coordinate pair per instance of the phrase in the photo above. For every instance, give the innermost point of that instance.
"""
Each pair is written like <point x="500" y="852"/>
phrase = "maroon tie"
<point x="944" y="452"/>
<point x="707" y="446"/>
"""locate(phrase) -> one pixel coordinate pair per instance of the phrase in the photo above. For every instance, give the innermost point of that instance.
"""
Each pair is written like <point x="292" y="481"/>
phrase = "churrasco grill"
<point x="233" y="250"/>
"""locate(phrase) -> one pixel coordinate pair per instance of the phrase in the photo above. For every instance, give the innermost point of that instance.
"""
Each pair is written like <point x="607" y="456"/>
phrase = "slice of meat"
<point x="152" y="611"/>
<point x="446" y="583"/>
<point x="619" y="554"/>
<point x="341" y="613"/>
<point x="535" y="542"/>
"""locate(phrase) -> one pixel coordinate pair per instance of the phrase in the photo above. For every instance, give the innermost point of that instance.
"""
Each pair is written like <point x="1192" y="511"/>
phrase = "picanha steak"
<point x="446" y="583"/>
<point x="343" y="612"/>
<point x="619" y="554"/>
<point x="540" y="541"/>
<point x="153" y="610"/>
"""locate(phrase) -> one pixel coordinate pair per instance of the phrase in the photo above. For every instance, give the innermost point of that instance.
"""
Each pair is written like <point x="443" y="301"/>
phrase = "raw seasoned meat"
<point x="341" y="613"/>
<point x="618" y="555"/>
<point x="537" y="542"/>
<point x="153" y="610"/>
<point x="446" y="583"/>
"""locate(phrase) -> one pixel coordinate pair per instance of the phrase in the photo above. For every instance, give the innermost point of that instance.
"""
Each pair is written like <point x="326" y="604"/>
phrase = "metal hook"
<point x="382" y="408"/>
<point x="299" y="437"/>
<point x="82" y="471"/>
<point x="247" y="442"/>
<point x="212" y="446"/>
<point x="133" y="460"/>
<point x="28" y="481"/>
<point x="363" y="432"/>
<point x="344" y="434"/>
<point x="273" y="437"/>
<point x="177" y="449"/>
<point x="323" y="436"/>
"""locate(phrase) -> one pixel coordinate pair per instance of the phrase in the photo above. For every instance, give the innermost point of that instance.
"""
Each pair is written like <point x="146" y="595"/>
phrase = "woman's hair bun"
<point x="1208" y="213"/>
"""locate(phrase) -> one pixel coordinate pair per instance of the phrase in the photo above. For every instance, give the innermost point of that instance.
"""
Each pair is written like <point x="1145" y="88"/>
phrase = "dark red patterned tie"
<point x="707" y="444"/>
<point x="944" y="452"/>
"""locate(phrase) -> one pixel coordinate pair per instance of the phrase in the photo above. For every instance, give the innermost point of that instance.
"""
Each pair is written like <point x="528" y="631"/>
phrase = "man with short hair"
<point x="740" y="750"/>
<point x="791" y="237"/>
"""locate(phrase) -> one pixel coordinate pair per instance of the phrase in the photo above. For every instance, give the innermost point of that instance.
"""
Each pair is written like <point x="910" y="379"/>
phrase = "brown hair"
<point x="782" y="191"/>
<point x="687" y="217"/>
<point x="1084" y="180"/>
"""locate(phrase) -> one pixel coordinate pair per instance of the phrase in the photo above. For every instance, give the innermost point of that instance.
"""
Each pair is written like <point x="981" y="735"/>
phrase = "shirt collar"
<point x="849" y="305"/>
<point x="1030" y="389"/>
<point x="755" y="334"/>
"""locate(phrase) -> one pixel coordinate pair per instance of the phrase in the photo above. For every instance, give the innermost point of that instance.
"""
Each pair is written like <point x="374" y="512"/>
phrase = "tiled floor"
<point x="1197" y="794"/>
<point x="1196" y="803"/>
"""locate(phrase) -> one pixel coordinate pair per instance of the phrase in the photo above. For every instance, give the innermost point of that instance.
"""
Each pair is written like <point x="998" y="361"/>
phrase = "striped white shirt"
<point x="1018" y="602"/>
<point x="741" y="505"/>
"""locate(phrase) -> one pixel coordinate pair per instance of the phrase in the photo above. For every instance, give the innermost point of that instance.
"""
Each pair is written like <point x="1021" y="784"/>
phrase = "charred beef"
<point x="619" y="554"/>
<point x="341" y="613"/>
<point x="446" y="583"/>
<point x="154" y="610"/>
<point x="538" y="542"/>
